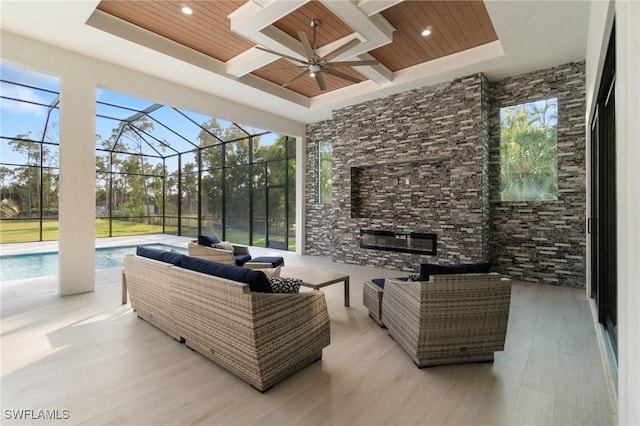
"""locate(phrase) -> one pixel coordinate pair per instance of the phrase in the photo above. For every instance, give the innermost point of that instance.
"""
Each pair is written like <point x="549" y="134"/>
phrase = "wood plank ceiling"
<point x="455" y="25"/>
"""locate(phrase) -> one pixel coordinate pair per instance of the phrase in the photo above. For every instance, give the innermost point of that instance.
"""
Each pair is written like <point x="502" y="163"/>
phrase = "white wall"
<point x="627" y="15"/>
<point x="77" y="177"/>
<point x="81" y="76"/>
<point x="628" y="204"/>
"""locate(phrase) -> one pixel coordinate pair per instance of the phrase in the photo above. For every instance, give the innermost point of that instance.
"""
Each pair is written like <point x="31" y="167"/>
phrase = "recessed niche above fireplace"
<point x="405" y="242"/>
<point x="400" y="190"/>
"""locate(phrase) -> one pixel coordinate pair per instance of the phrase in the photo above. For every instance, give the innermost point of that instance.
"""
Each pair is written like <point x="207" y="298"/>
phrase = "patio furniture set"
<point x="238" y="316"/>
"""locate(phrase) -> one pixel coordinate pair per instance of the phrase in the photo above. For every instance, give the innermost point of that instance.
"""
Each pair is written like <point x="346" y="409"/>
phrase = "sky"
<point x="20" y="117"/>
<point x="551" y="113"/>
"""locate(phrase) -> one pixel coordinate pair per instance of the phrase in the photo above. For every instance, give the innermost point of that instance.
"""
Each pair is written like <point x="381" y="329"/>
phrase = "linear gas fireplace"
<point x="406" y="242"/>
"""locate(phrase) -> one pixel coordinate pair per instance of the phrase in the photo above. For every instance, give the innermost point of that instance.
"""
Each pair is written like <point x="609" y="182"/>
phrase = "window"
<point x="324" y="173"/>
<point x="529" y="151"/>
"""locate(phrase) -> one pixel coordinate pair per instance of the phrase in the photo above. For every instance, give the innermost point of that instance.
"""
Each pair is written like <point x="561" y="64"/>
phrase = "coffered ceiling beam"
<point x="371" y="7"/>
<point x="377" y="73"/>
<point x="374" y="31"/>
<point x="254" y="21"/>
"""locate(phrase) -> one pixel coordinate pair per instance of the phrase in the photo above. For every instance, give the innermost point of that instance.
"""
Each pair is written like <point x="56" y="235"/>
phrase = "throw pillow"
<point x="224" y="245"/>
<point x="285" y="284"/>
<point x="208" y="241"/>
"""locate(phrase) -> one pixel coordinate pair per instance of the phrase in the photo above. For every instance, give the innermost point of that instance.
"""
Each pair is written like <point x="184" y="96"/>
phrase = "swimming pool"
<point x="32" y="265"/>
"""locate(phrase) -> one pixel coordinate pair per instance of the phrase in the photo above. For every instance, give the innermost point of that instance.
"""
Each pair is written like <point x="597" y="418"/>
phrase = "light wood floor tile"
<point x="94" y="357"/>
<point x="580" y="406"/>
<point x="542" y="365"/>
<point x="533" y="408"/>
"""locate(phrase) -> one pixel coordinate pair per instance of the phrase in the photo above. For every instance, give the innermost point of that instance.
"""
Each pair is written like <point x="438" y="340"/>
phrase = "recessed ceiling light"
<point x="426" y="32"/>
<point x="187" y="10"/>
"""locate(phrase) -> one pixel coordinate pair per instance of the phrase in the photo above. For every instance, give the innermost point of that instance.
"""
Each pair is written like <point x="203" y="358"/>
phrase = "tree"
<point x="325" y="171"/>
<point x="27" y="178"/>
<point x="211" y="163"/>
<point x="128" y="168"/>
<point x="6" y="175"/>
<point x="132" y="132"/>
<point x="189" y="188"/>
<point x="528" y="152"/>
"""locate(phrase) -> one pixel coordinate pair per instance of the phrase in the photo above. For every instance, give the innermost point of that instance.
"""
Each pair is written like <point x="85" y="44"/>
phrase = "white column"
<point x="301" y="202"/>
<point x="628" y="204"/>
<point x="76" y="269"/>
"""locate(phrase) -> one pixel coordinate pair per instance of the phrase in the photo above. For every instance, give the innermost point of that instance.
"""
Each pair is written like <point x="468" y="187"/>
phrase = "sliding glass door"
<point x="602" y="224"/>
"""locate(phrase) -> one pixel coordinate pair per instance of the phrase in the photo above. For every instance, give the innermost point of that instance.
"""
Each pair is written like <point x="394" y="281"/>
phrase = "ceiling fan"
<point x="315" y="65"/>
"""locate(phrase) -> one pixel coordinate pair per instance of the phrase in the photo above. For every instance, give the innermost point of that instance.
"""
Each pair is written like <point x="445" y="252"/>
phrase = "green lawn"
<point x="20" y="231"/>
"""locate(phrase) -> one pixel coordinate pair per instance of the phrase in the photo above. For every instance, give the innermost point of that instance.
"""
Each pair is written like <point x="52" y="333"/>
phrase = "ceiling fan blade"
<point x="340" y="50"/>
<point x="352" y="63"/>
<point x="320" y="81"/>
<point x="340" y="74"/>
<point x="306" y="45"/>
<point x="295" y="77"/>
<point x="282" y="54"/>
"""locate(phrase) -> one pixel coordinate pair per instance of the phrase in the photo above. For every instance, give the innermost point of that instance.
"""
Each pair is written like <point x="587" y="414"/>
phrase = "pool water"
<point x="32" y="265"/>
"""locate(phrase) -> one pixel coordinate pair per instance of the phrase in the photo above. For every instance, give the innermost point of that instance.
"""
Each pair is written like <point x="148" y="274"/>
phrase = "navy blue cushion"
<point x="241" y="259"/>
<point x="208" y="241"/>
<point x="380" y="281"/>
<point x="427" y="269"/>
<point x="257" y="280"/>
<point x="161" y="255"/>
<point x="275" y="261"/>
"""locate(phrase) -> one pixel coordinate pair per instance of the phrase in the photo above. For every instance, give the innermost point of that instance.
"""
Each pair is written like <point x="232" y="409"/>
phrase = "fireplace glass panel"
<point x="407" y="242"/>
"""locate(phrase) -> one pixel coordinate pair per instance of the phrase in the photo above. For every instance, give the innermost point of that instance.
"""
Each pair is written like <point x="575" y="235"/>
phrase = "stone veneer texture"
<point x="428" y="160"/>
<point x="543" y="241"/>
<point x="417" y="159"/>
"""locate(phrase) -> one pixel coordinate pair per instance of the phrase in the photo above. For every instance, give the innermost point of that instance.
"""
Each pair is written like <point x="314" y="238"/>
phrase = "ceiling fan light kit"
<point x="315" y="65"/>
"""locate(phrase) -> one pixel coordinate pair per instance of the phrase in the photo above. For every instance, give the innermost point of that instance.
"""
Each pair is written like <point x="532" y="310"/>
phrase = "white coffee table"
<point x="317" y="279"/>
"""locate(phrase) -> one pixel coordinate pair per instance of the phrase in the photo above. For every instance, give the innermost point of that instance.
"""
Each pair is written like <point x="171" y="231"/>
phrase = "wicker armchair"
<point x="449" y="319"/>
<point x="216" y="254"/>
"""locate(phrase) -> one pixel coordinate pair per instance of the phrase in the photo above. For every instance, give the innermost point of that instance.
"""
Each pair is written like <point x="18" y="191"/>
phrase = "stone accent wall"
<point x="418" y="160"/>
<point x="428" y="160"/>
<point x="543" y="241"/>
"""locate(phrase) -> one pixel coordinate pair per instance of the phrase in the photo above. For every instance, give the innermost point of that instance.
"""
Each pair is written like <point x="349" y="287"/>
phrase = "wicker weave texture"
<point x="260" y="337"/>
<point x="372" y="300"/>
<point x="210" y="253"/>
<point x="449" y="319"/>
<point x="148" y="289"/>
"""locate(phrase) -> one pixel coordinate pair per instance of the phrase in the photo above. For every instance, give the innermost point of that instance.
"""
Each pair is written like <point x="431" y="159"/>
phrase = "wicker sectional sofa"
<point x="260" y="337"/>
